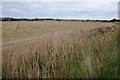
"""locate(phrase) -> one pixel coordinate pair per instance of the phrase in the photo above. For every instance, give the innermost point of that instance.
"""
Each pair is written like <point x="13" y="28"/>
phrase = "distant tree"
<point x="113" y="20"/>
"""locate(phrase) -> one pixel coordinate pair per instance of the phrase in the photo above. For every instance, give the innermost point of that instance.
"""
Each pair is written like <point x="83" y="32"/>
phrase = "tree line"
<point x="51" y="19"/>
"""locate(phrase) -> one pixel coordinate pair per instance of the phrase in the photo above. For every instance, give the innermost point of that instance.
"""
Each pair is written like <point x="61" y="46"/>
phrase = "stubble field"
<point x="53" y="49"/>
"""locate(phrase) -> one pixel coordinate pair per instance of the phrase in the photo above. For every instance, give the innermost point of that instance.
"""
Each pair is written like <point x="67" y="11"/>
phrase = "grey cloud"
<point x="105" y="10"/>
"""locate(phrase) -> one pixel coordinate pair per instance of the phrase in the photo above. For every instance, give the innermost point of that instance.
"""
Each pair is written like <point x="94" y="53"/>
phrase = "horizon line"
<point x="57" y="18"/>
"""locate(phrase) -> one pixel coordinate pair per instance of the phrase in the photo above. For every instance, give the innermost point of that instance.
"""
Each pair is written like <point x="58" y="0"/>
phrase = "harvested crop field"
<point x="59" y="49"/>
<point x="31" y="29"/>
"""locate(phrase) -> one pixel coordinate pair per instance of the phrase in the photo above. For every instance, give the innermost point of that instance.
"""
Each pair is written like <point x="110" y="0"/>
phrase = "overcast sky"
<point x="87" y="9"/>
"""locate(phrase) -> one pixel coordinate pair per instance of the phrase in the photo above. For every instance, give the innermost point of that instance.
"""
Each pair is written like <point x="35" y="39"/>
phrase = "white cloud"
<point x="59" y="0"/>
<point x="106" y="9"/>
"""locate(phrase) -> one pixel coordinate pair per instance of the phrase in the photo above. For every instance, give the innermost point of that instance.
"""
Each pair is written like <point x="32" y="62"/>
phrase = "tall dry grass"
<point x="64" y="55"/>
